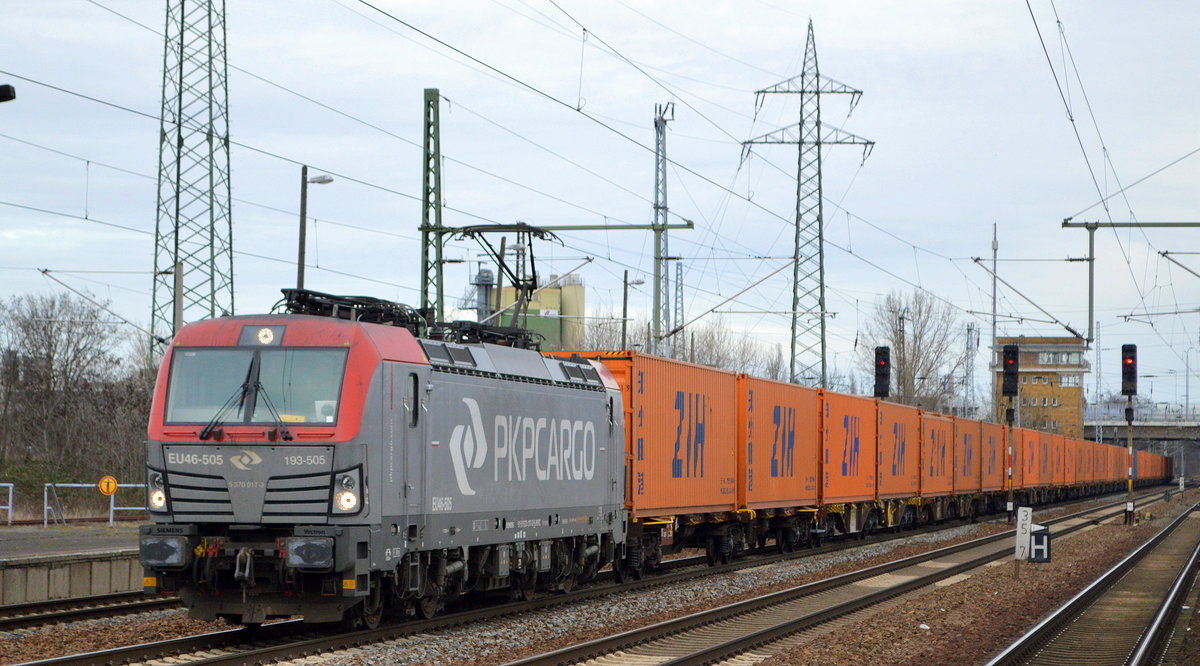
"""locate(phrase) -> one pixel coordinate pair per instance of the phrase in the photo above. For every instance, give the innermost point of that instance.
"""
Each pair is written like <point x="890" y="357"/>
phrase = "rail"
<point x="792" y="620"/>
<point x="1037" y="637"/>
<point x="1158" y="633"/>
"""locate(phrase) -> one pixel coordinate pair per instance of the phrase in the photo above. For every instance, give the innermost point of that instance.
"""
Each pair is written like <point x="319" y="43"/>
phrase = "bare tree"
<point x="72" y="403"/>
<point x="712" y="342"/>
<point x="925" y="351"/>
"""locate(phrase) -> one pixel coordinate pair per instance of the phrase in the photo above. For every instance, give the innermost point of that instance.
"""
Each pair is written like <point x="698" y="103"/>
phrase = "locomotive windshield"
<point x="303" y="384"/>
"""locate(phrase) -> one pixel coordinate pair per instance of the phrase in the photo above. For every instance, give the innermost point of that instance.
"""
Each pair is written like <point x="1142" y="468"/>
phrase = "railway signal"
<point x="1128" y="369"/>
<point x="1011" y="365"/>
<point x="1129" y="389"/>
<point x="883" y="371"/>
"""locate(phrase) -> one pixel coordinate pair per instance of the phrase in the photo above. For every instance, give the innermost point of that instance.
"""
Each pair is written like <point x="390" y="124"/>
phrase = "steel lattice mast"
<point x="432" y="231"/>
<point x="808" y="349"/>
<point x="663" y="113"/>
<point x="194" y="229"/>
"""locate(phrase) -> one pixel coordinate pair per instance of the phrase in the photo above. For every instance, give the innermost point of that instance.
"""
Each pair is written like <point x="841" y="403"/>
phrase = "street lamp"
<point x="7" y="93"/>
<point x="304" y="181"/>
<point x="625" y="306"/>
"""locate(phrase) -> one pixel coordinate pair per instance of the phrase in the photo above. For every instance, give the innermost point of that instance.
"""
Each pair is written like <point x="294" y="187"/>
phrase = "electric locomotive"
<point x="328" y="463"/>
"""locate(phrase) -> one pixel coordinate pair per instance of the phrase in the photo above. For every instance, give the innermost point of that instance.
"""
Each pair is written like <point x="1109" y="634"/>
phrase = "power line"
<point x="253" y="255"/>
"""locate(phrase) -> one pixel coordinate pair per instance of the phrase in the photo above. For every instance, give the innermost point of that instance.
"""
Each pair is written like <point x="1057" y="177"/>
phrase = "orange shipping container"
<point x="1030" y="450"/>
<point x="1069" y="461"/>
<point x="966" y="456"/>
<point x="1087" y="461"/>
<point x="682" y="437"/>
<point x="1058" y="453"/>
<point x="1104" y="458"/>
<point x="779" y="444"/>
<point x="1045" y="458"/>
<point x="848" y="461"/>
<point x="899" y="451"/>
<point x="937" y="455"/>
<point x="993" y="451"/>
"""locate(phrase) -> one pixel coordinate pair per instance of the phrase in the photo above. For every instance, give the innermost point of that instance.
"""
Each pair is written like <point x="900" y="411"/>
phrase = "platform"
<point x="42" y="563"/>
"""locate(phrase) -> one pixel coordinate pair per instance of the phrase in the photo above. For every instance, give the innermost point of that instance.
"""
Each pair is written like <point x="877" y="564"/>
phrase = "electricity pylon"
<point x="193" y="236"/>
<point x="808" y="268"/>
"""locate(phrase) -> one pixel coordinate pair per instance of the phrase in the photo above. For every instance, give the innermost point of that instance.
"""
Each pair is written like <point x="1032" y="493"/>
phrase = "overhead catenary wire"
<point x="837" y="204"/>
<point x="381" y="232"/>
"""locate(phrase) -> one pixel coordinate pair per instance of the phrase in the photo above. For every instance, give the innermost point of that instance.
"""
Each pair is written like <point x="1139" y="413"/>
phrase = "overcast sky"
<point x="961" y="98"/>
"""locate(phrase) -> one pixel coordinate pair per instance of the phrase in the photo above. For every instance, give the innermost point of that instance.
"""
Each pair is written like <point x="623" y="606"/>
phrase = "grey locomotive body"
<point x="355" y="469"/>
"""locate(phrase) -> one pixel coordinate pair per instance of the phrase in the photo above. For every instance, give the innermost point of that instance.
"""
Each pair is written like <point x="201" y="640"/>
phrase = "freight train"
<point x="330" y="464"/>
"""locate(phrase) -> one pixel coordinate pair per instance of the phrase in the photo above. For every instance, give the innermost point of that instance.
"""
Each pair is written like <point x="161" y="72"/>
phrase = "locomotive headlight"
<point x="347" y="500"/>
<point x="156" y="484"/>
<point x="158" y="499"/>
<point x="347" y="491"/>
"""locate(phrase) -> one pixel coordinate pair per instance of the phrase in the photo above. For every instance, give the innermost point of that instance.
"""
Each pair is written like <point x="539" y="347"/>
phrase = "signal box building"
<point x="1050" y="385"/>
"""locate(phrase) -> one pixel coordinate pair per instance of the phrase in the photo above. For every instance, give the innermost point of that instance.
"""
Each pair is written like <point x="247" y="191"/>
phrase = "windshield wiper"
<point x="261" y="391"/>
<point x="239" y="394"/>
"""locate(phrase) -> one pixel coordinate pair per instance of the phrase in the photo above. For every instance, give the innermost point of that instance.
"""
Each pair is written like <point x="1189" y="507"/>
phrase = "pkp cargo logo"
<point x="468" y="447"/>
<point x="240" y="462"/>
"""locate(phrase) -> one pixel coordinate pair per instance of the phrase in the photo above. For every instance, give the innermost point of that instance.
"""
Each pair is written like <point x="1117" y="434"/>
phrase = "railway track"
<point x="1127" y="615"/>
<point x="294" y="639"/>
<point x="80" y="608"/>
<point x="761" y="627"/>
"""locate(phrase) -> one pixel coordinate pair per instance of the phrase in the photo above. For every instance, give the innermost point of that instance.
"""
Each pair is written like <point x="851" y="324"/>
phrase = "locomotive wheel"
<point x="567" y="583"/>
<point x="372" y="608"/>
<point x="427" y="606"/>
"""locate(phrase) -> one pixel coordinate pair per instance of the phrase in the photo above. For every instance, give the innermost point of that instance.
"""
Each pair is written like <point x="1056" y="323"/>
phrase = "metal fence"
<point x="52" y="505"/>
<point x="8" y="507"/>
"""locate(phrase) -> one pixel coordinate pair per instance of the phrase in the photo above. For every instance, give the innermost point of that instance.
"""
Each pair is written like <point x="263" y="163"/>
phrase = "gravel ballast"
<point x="502" y="640"/>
